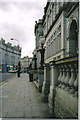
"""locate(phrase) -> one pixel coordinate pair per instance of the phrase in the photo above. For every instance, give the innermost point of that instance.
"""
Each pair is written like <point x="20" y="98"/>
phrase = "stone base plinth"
<point x="46" y="83"/>
<point x="41" y="79"/>
<point x="35" y="77"/>
<point x="45" y="91"/>
<point x="40" y="89"/>
<point x="51" y="100"/>
<point x="36" y="83"/>
<point x="45" y="98"/>
<point x="66" y="105"/>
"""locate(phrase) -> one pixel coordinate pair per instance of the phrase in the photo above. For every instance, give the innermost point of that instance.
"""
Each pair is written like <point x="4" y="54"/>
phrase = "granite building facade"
<point x="59" y="80"/>
<point x="9" y="55"/>
<point x="38" y="56"/>
<point x="61" y="58"/>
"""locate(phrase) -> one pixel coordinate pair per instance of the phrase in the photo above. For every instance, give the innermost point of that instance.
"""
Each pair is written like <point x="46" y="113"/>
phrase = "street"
<point x="21" y="99"/>
<point x="5" y="76"/>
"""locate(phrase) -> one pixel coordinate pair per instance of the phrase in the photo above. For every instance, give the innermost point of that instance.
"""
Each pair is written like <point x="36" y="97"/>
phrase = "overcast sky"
<point x="17" y="20"/>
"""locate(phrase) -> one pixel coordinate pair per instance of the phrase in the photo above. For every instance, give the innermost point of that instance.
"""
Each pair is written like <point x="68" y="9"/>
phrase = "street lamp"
<point x="18" y="45"/>
<point x="15" y="40"/>
<point x="42" y="40"/>
<point x="18" y="58"/>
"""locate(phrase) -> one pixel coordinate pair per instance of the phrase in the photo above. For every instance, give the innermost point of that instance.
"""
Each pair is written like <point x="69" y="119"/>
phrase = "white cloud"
<point x="17" y="20"/>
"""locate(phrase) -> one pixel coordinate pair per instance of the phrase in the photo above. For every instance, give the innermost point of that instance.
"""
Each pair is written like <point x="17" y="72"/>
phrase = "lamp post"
<point x="15" y="40"/>
<point x="18" y="45"/>
<point x="19" y="67"/>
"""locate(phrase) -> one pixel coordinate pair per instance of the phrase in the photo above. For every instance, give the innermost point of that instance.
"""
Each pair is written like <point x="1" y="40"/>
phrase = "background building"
<point x="38" y="55"/>
<point x="9" y="55"/>
<point x="25" y="62"/>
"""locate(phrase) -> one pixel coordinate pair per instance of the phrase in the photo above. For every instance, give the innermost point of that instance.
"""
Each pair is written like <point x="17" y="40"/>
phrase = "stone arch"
<point x="73" y="37"/>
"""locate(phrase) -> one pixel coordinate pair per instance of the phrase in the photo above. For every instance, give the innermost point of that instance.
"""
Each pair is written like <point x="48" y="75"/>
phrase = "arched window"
<point x="73" y="38"/>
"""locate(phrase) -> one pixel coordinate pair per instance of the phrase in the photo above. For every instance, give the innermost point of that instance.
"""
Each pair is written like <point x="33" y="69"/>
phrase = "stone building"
<point x="38" y="56"/>
<point x="9" y="55"/>
<point x="25" y="62"/>
<point x="61" y="32"/>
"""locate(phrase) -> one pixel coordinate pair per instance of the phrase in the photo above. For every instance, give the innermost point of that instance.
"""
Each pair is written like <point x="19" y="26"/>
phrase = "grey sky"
<point x="17" y="20"/>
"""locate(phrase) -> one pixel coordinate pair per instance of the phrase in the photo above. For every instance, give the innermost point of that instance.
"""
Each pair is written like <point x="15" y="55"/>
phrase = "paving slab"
<point x="21" y="99"/>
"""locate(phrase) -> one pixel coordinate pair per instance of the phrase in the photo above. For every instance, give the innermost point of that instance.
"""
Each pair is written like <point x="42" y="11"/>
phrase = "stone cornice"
<point x="10" y="51"/>
<point x="64" y="60"/>
<point x="67" y="60"/>
<point x="70" y="7"/>
<point x="46" y="65"/>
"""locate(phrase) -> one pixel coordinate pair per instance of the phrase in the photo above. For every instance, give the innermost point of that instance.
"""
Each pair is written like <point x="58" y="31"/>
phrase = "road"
<point x="5" y="76"/>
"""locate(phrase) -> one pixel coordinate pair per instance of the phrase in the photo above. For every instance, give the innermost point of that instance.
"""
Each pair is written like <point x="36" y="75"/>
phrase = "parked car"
<point x="12" y="71"/>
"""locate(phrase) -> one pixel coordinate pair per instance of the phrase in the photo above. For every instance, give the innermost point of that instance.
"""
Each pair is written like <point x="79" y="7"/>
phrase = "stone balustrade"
<point x="66" y="97"/>
<point x="68" y="77"/>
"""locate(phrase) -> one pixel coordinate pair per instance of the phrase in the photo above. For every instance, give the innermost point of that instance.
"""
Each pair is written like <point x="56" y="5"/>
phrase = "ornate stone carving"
<point x="63" y="77"/>
<point x="76" y="81"/>
<point x="72" y="79"/>
<point x="60" y="75"/>
<point x="67" y="75"/>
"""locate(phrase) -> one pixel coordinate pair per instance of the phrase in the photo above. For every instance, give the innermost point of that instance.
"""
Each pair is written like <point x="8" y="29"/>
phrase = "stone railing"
<point x="68" y="76"/>
<point x="63" y="96"/>
<point x="66" y="97"/>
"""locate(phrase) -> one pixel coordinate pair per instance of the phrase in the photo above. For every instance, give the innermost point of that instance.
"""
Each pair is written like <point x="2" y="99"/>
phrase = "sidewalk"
<point x="21" y="99"/>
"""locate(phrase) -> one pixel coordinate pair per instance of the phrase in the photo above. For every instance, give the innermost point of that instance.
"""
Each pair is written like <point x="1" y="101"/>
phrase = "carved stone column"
<point x="63" y="77"/>
<point x="67" y="75"/>
<point x="72" y="79"/>
<point x="76" y="85"/>
<point x="46" y="83"/>
<point x="76" y="81"/>
<point x="60" y="75"/>
<point x="68" y="71"/>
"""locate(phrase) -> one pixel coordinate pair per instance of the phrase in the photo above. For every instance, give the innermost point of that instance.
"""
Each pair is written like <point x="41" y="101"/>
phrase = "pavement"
<point x="20" y="99"/>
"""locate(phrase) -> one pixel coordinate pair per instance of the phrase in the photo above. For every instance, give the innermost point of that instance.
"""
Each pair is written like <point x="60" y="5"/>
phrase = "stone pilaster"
<point x="46" y="83"/>
<point x="53" y="83"/>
